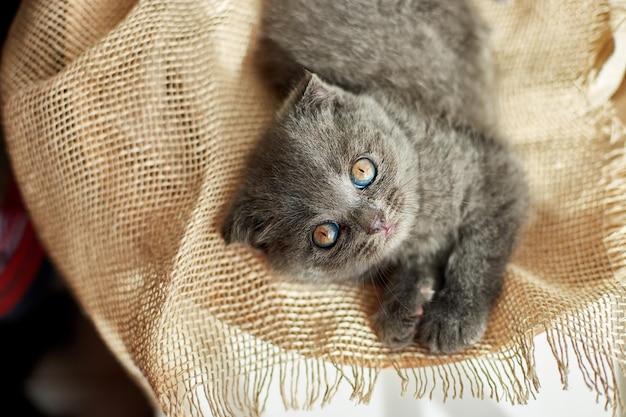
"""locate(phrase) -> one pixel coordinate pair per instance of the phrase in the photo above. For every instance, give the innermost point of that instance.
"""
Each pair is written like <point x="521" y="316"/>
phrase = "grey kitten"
<point x="378" y="165"/>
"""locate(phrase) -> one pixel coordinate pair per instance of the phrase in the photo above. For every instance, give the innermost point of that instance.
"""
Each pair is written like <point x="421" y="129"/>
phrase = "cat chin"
<point x="387" y="249"/>
<point x="317" y="277"/>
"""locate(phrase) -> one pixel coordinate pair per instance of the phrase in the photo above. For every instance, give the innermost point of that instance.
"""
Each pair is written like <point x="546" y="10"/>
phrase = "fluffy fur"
<point x="405" y="84"/>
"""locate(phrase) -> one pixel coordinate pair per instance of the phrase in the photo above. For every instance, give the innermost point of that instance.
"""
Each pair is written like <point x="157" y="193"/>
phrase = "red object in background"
<point x="21" y="254"/>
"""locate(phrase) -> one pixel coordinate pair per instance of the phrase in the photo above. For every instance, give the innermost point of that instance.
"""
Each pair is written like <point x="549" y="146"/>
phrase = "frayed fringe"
<point x="614" y="225"/>
<point x="243" y="389"/>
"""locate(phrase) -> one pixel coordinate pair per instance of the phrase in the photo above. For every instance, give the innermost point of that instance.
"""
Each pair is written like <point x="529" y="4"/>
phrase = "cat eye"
<point x="363" y="172"/>
<point x="326" y="234"/>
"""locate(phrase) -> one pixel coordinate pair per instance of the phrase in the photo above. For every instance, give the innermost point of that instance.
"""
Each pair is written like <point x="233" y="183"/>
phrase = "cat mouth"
<point x="386" y="233"/>
<point x="388" y="230"/>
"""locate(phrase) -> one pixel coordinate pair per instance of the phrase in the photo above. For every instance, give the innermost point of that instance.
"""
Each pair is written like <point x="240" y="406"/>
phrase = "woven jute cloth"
<point x="128" y="123"/>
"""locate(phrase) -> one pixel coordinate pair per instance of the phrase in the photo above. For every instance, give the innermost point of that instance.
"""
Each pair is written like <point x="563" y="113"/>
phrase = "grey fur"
<point x="407" y="84"/>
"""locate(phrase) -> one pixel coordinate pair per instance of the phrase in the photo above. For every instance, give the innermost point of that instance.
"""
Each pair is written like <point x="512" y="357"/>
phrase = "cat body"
<point x="431" y="53"/>
<point x="380" y="165"/>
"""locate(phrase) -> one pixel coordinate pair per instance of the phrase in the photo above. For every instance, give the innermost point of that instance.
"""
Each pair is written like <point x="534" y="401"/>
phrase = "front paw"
<point x="449" y="327"/>
<point x="396" y="325"/>
<point x="397" y="319"/>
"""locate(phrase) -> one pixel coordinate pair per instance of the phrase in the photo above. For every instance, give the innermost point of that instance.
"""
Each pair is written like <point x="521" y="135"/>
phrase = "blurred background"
<point x="52" y="362"/>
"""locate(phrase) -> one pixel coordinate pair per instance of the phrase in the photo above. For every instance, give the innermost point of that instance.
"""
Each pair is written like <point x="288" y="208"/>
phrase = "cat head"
<point x="326" y="191"/>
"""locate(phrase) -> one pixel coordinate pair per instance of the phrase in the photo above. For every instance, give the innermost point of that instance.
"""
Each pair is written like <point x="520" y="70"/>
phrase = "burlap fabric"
<point x="128" y="122"/>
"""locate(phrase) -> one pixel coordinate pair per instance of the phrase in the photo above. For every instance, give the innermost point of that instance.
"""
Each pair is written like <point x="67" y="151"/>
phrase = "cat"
<point x="382" y="165"/>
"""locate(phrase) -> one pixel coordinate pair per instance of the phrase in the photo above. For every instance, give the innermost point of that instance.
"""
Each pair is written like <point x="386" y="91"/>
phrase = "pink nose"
<point x="379" y="224"/>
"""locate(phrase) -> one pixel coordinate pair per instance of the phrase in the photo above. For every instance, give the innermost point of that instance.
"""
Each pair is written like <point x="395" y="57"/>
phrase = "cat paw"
<point x="396" y="328"/>
<point x="397" y="320"/>
<point x="443" y="328"/>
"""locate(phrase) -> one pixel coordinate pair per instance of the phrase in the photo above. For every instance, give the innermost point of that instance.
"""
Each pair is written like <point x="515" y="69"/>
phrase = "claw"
<point x="427" y="293"/>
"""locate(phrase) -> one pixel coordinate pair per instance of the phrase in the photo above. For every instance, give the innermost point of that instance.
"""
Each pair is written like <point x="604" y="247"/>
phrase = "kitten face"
<point x="328" y="192"/>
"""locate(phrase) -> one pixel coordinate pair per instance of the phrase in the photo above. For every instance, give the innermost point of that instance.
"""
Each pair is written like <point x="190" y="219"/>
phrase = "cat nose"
<point x="378" y="223"/>
<point x="370" y="220"/>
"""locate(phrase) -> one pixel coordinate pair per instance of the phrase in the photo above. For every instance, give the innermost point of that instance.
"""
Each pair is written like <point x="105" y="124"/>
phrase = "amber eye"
<point x="326" y="234"/>
<point x="363" y="172"/>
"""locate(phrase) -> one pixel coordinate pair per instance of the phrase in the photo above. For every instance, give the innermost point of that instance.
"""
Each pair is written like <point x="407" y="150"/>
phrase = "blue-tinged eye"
<point x="363" y="172"/>
<point x="326" y="234"/>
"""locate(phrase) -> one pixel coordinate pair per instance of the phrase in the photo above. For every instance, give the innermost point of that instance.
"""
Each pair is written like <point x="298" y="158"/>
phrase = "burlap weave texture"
<point x="128" y="122"/>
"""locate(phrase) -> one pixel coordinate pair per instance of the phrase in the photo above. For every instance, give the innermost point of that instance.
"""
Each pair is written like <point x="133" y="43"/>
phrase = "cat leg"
<point x="473" y="275"/>
<point x="403" y="306"/>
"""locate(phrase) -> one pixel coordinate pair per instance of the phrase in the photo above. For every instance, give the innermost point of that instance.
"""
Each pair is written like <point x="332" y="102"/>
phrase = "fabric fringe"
<point x="508" y="376"/>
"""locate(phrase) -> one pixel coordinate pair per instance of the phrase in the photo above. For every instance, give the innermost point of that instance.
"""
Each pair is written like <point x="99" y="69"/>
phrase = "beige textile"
<point x="128" y="122"/>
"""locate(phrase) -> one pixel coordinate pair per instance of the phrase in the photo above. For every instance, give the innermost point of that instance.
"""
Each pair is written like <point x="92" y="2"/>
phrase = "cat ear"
<point x="241" y="225"/>
<point x="317" y="92"/>
<point x="312" y="92"/>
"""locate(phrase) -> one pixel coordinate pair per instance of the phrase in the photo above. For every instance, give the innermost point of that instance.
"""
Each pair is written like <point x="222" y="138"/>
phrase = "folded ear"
<point x="317" y="92"/>
<point x="312" y="93"/>
<point x="241" y="224"/>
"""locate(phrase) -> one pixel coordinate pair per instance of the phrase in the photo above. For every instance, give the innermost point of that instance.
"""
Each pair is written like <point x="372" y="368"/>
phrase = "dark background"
<point x="52" y="362"/>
